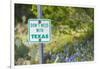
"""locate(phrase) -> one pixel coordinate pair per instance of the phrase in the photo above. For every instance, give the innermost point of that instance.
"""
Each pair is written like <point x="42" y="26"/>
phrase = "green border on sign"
<point x="37" y="20"/>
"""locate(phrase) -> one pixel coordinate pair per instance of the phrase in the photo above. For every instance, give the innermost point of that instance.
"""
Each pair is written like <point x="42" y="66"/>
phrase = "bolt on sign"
<point x="39" y="30"/>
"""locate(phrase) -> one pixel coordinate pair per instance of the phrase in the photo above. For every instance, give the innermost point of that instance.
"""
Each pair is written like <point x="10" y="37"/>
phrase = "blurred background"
<point x="72" y="30"/>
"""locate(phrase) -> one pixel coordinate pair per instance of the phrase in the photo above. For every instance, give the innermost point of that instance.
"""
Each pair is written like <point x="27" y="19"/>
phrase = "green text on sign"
<point x="39" y="30"/>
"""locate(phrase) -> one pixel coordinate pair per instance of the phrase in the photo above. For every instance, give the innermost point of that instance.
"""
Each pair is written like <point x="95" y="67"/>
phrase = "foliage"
<point x="72" y="37"/>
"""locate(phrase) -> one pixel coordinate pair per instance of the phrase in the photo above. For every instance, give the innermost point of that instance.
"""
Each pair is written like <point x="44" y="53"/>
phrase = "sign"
<point x="39" y="30"/>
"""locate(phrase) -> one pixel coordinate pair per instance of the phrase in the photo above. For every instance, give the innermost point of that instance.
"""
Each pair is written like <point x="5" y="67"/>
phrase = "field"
<point x="72" y="35"/>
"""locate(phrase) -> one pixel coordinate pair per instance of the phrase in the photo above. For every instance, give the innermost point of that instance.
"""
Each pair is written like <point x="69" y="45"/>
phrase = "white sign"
<point x="39" y="30"/>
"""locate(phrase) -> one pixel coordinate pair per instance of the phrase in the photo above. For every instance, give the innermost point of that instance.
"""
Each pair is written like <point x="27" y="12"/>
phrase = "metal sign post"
<point x="41" y="45"/>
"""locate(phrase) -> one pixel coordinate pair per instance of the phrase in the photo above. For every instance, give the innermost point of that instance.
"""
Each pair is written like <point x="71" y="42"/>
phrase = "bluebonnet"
<point x="71" y="58"/>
